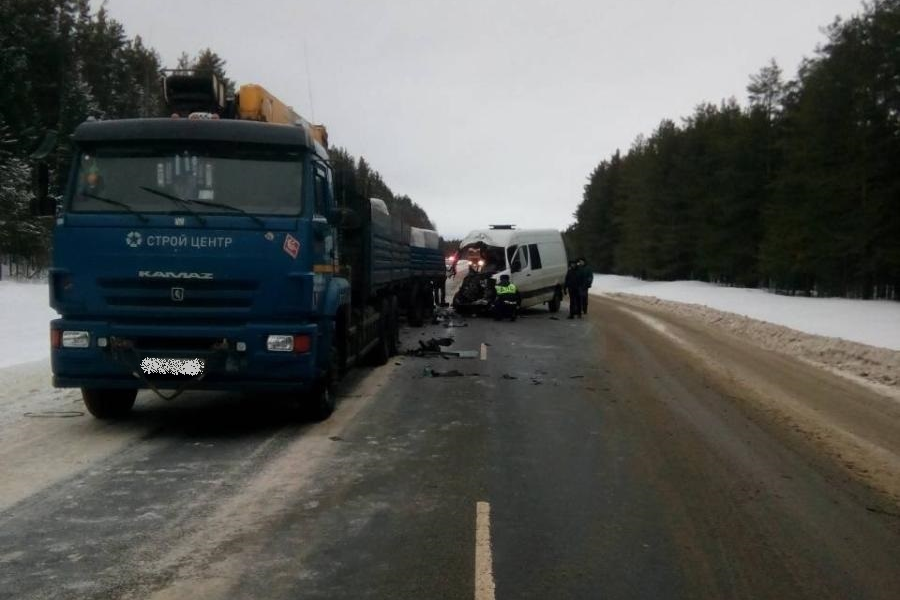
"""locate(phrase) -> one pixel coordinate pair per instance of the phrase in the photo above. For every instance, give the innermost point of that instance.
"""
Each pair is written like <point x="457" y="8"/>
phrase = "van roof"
<point x="507" y="237"/>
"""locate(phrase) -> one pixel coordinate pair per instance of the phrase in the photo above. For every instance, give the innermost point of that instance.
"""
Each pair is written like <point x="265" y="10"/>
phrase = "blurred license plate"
<point x="190" y="367"/>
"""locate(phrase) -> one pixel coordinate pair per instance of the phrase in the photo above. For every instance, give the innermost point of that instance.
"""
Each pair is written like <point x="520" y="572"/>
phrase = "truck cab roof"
<point x="217" y="130"/>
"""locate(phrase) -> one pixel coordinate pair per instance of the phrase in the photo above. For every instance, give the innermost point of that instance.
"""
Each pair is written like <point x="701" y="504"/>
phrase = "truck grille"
<point x="177" y="294"/>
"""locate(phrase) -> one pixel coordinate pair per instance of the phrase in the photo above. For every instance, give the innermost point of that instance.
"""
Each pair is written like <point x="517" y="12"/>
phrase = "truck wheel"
<point x="553" y="304"/>
<point x="382" y="350"/>
<point x="428" y="303"/>
<point x="324" y="400"/>
<point x="394" y="327"/>
<point x="108" y="403"/>
<point x="414" y="313"/>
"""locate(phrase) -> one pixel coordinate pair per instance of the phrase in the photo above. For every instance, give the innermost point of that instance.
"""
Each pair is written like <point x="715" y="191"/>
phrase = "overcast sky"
<point x="489" y="111"/>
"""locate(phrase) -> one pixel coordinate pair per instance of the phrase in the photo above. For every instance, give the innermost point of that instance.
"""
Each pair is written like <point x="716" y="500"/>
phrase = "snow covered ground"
<point x="871" y="322"/>
<point x="25" y="322"/>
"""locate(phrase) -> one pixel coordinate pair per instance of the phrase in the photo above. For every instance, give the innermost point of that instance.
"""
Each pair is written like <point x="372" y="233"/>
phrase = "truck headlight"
<point x="76" y="339"/>
<point x="280" y="343"/>
<point x="288" y="343"/>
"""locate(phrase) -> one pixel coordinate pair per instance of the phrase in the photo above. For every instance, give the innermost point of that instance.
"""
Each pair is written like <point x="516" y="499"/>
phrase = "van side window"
<point x="320" y="191"/>
<point x="535" y="256"/>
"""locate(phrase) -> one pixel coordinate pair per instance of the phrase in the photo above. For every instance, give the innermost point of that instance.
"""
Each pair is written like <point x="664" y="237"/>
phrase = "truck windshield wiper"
<point x="228" y="207"/>
<point x="178" y="199"/>
<point x="116" y="203"/>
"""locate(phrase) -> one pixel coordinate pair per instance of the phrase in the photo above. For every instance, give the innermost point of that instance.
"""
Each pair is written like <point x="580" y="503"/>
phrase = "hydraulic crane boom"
<point x="255" y="103"/>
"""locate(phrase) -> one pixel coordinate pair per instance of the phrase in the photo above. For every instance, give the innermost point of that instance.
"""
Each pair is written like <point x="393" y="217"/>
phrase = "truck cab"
<point x="194" y="253"/>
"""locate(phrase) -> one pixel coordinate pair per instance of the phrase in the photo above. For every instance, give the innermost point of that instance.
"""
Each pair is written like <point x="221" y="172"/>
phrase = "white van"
<point x="534" y="259"/>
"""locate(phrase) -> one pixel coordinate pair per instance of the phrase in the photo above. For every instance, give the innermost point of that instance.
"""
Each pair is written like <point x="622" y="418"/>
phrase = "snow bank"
<point x="25" y="322"/>
<point x="870" y="322"/>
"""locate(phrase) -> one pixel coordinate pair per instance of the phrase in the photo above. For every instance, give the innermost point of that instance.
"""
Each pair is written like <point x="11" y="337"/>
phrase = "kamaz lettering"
<point x="173" y="275"/>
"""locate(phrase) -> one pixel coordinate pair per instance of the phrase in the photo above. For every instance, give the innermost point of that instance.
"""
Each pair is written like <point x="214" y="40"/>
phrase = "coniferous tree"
<point x="799" y="191"/>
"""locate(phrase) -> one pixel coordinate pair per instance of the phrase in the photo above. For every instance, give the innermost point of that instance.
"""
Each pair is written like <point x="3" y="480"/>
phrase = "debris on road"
<point x="57" y="414"/>
<point x="508" y="376"/>
<point x="432" y="346"/>
<point x="435" y="347"/>
<point x="429" y="372"/>
<point x="450" y="373"/>
<point x="461" y="353"/>
<point x="446" y="317"/>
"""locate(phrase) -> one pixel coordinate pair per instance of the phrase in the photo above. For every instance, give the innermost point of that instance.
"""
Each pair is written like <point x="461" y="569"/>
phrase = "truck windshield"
<point x="225" y="178"/>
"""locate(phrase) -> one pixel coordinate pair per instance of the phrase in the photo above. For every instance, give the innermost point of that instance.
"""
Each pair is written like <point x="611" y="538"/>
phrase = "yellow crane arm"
<point x="255" y="103"/>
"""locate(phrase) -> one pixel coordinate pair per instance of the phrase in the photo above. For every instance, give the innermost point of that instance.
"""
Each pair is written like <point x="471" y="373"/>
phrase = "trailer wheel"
<point x="340" y="338"/>
<point x="428" y="302"/>
<point x="108" y="403"/>
<point x="394" y="327"/>
<point x="414" y="312"/>
<point x="553" y="304"/>
<point x="382" y="351"/>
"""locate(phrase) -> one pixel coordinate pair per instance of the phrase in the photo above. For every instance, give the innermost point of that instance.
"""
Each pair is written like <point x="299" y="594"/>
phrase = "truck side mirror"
<point x="42" y="205"/>
<point x="344" y="218"/>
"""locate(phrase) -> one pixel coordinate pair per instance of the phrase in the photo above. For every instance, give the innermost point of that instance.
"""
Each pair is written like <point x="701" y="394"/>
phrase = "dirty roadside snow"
<point x="25" y="322"/>
<point x="859" y="339"/>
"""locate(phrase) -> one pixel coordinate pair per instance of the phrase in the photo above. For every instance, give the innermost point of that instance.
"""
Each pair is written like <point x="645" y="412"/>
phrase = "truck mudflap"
<point x="198" y="359"/>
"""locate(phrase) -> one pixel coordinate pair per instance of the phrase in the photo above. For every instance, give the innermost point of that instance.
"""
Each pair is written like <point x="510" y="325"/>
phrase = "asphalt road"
<point x="607" y="460"/>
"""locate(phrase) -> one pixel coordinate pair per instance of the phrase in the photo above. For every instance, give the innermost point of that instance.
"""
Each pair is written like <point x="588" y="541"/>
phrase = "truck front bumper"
<point x="234" y="357"/>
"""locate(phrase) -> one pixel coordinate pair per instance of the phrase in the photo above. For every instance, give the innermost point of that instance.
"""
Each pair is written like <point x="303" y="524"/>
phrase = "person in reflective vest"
<point x="506" y="304"/>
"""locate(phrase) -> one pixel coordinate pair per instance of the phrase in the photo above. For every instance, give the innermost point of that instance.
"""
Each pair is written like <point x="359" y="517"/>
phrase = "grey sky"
<point x="488" y="111"/>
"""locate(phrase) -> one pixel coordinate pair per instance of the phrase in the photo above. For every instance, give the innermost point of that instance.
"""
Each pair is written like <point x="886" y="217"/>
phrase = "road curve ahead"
<point x="625" y="455"/>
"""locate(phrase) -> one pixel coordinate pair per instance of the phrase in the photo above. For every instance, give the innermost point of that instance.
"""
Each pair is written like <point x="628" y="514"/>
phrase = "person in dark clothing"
<point x="585" y="280"/>
<point x="573" y="289"/>
<point x="506" y="303"/>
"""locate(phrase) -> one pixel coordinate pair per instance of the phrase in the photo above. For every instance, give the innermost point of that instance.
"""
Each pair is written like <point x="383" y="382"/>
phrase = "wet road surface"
<point x="614" y="464"/>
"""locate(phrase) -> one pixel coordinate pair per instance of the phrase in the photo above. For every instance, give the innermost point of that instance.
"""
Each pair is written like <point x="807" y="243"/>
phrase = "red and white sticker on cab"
<point x="291" y="245"/>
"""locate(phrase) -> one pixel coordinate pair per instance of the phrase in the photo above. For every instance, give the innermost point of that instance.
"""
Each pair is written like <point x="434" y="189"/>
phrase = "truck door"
<point x="324" y="255"/>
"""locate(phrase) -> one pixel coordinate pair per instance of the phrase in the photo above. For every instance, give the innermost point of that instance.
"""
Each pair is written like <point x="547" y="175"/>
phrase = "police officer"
<point x="506" y="304"/>
<point x="585" y="280"/>
<point x="573" y="289"/>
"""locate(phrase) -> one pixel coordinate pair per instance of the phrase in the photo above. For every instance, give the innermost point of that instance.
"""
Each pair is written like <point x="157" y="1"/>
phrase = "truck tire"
<point x="394" y="327"/>
<point x="108" y="403"/>
<point x="414" y="313"/>
<point x="553" y="304"/>
<point x="342" y="341"/>
<point x="324" y="399"/>
<point x="382" y="350"/>
<point x="428" y="303"/>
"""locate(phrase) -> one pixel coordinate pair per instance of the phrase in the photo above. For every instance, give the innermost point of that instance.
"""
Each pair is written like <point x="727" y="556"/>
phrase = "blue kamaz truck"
<point x="207" y="250"/>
